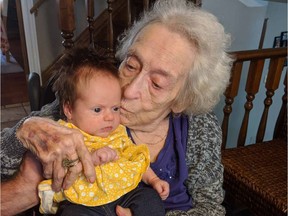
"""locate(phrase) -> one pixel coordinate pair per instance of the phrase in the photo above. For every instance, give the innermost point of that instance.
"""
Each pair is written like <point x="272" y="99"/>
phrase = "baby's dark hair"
<point x="68" y="72"/>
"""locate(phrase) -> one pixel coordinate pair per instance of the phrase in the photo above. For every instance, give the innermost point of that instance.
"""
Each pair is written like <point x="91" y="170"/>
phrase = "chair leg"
<point x="29" y="212"/>
<point x="34" y="211"/>
<point x="234" y="207"/>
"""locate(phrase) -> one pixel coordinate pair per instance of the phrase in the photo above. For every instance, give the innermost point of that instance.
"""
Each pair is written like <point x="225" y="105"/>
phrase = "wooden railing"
<point x="67" y="19"/>
<point x="103" y="30"/>
<point x="94" y="35"/>
<point x="36" y="6"/>
<point x="256" y="58"/>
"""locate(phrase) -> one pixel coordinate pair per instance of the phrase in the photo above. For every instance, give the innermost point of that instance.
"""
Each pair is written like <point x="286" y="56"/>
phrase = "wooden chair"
<point x="256" y="175"/>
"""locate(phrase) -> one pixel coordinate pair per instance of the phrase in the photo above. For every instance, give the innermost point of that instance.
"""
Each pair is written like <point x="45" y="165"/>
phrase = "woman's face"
<point x="152" y="75"/>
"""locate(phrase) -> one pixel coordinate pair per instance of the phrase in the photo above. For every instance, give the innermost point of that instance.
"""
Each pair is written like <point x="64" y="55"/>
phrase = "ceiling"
<point x="259" y="3"/>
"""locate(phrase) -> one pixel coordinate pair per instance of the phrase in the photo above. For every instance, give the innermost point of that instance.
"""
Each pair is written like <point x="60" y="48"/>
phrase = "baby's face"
<point x="96" y="110"/>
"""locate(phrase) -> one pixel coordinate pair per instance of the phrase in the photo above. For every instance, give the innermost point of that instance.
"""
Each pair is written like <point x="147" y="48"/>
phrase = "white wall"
<point x="242" y="22"/>
<point x="48" y="35"/>
<point x="245" y="26"/>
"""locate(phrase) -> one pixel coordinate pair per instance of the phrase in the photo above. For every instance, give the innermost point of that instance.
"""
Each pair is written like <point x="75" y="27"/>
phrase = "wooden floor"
<point x="11" y="114"/>
<point x="13" y="79"/>
<point x="13" y="88"/>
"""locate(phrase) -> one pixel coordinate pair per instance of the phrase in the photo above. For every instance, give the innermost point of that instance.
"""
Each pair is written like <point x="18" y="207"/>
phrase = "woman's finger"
<point x="59" y="173"/>
<point x="87" y="163"/>
<point x="47" y="171"/>
<point x="71" y="175"/>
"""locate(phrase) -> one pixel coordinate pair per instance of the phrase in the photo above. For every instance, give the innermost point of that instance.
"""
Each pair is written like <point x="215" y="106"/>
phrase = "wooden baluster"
<point x="145" y="4"/>
<point x="110" y="31"/>
<point x="129" y="14"/>
<point x="90" y="20"/>
<point x="67" y="22"/>
<point x="197" y="3"/>
<point x="264" y="27"/>
<point x="282" y="117"/>
<point x="272" y="83"/>
<point x="230" y="94"/>
<point x="252" y="87"/>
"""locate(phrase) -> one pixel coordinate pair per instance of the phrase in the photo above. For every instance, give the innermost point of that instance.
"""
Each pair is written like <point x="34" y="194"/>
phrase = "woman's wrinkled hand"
<point x="51" y="143"/>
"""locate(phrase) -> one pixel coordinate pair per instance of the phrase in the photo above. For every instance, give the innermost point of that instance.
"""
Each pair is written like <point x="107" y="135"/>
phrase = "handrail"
<point x="36" y="6"/>
<point x="247" y="55"/>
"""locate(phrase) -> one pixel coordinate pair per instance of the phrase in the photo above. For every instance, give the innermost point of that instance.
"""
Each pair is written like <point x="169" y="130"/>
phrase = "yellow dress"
<point x="113" y="179"/>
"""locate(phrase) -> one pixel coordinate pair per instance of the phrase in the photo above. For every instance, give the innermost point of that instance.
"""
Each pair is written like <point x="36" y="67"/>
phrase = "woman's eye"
<point x="130" y="67"/>
<point x="155" y="85"/>
<point x="97" y="110"/>
<point x="132" y="64"/>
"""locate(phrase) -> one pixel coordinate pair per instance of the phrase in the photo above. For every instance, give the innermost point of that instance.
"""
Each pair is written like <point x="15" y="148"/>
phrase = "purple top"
<point x="171" y="165"/>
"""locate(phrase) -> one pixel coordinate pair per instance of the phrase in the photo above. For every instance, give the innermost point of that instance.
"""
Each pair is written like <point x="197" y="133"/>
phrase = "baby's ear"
<point x="67" y="109"/>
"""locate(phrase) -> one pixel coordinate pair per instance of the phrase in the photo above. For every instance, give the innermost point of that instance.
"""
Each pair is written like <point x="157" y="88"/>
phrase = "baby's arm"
<point x="104" y="155"/>
<point x="161" y="186"/>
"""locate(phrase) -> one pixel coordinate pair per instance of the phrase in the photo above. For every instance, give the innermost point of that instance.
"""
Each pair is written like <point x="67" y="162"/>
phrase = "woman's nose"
<point x="132" y="89"/>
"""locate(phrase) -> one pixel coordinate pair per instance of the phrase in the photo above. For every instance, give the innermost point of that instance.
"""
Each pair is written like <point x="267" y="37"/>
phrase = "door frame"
<point x="28" y="35"/>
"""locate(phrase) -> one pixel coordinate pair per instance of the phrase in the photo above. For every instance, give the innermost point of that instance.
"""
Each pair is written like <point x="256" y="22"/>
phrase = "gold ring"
<point x="66" y="163"/>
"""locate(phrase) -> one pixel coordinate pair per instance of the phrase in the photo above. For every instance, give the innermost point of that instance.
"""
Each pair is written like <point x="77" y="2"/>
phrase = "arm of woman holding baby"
<point x="50" y="143"/>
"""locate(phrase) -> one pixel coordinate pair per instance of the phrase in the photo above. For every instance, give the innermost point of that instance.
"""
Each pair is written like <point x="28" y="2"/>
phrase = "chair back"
<point x="38" y="95"/>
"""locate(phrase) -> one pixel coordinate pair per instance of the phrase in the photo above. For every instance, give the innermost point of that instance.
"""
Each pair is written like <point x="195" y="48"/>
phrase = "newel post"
<point x="66" y="22"/>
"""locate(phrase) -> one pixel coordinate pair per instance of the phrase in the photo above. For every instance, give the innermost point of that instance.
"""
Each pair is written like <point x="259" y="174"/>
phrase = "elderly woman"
<point x="174" y="69"/>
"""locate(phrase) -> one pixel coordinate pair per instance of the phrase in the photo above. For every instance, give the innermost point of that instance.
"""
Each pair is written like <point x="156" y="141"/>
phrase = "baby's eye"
<point x="116" y="109"/>
<point x="97" y="110"/>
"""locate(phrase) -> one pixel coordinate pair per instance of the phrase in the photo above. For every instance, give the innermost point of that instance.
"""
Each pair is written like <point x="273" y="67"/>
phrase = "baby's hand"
<point x="104" y="155"/>
<point x="162" y="187"/>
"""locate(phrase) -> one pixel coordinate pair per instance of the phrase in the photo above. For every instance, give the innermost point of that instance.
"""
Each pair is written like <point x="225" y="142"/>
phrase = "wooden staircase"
<point x="101" y="31"/>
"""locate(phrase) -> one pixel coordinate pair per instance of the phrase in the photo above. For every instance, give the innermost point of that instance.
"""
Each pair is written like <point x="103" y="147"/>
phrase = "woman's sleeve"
<point x="205" y="171"/>
<point x="11" y="149"/>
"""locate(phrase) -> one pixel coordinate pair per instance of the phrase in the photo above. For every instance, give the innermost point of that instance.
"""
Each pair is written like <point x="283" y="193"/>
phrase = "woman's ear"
<point x="67" y="109"/>
<point x="176" y="108"/>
